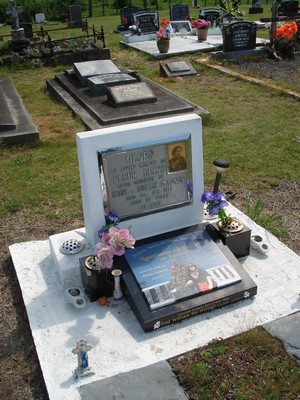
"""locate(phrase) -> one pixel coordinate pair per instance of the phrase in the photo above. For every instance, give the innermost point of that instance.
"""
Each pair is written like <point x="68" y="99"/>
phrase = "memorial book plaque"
<point x="232" y="283"/>
<point x="180" y="267"/>
<point x="125" y="95"/>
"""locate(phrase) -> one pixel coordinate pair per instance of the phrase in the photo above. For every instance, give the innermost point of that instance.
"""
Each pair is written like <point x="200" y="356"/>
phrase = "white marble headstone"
<point x="146" y="209"/>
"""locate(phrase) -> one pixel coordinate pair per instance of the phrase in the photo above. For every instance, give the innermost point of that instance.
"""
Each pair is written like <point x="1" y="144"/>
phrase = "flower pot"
<point x="233" y="227"/>
<point x="202" y="34"/>
<point x="163" y="45"/>
<point x="97" y="283"/>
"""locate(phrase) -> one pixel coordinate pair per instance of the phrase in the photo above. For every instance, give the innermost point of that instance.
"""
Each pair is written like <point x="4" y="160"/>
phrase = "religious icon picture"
<point x="177" y="157"/>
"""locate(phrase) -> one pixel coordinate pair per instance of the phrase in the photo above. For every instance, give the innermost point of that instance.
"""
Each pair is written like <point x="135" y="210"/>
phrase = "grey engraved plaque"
<point x="147" y="179"/>
<point x="178" y="66"/>
<point x="120" y="96"/>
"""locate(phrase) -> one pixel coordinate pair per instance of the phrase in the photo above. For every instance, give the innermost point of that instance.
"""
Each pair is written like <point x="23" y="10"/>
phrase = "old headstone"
<point x="212" y="15"/>
<point x="289" y="7"/>
<point x="27" y="26"/>
<point x="17" y="33"/>
<point x="40" y="18"/>
<point x="176" y="68"/>
<point x="98" y="84"/>
<point x="87" y="69"/>
<point x="179" y="12"/>
<point x="147" y="21"/>
<point x="240" y="35"/>
<point x="126" y="15"/>
<point x="75" y="12"/>
<point x="135" y="93"/>
<point x="256" y="7"/>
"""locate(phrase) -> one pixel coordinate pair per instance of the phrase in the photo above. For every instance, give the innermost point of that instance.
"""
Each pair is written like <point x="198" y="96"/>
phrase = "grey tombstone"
<point x="125" y="95"/>
<point x="212" y="15"/>
<point x="99" y="84"/>
<point x="27" y="26"/>
<point x="176" y="68"/>
<point x="240" y="35"/>
<point x="147" y="21"/>
<point x="288" y="8"/>
<point x="75" y="12"/>
<point x="179" y="12"/>
<point x="256" y="7"/>
<point x="127" y="15"/>
<point x="40" y="18"/>
<point x="87" y="69"/>
<point x="17" y="33"/>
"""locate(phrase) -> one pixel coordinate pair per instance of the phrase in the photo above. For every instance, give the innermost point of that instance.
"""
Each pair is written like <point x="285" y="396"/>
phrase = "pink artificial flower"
<point x="105" y="256"/>
<point x="126" y="239"/>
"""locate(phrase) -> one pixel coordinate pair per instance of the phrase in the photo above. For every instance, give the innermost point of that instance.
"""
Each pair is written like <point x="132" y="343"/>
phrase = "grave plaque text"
<point x="239" y="36"/>
<point x="147" y="21"/>
<point x="148" y="179"/>
<point x="135" y="93"/>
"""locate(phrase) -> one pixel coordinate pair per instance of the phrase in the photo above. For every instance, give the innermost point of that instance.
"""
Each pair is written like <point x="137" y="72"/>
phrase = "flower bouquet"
<point x="285" y="41"/>
<point x="98" y="283"/>
<point x="135" y="30"/>
<point x="164" y="32"/>
<point x="113" y="242"/>
<point x="201" y="24"/>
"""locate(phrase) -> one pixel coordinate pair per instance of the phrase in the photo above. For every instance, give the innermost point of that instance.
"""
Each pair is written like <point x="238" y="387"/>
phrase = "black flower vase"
<point x="97" y="283"/>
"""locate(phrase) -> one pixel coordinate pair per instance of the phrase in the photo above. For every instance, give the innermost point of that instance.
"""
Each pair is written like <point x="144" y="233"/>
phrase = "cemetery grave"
<point x="89" y="92"/>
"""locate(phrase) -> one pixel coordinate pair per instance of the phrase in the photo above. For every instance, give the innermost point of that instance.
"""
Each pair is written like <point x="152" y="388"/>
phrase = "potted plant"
<point x="163" y="36"/>
<point x="201" y="25"/>
<point x="230" y="10"/>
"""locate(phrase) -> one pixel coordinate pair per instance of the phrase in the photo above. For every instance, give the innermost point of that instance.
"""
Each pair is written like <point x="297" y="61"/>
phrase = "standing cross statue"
<point x="14" y="10"/>
<point x="81" y="350"/>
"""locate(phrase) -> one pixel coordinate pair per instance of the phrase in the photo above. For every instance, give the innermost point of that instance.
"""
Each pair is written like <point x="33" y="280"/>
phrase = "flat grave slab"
<point x="186" y="44"/>
<point x="16" y="125"/>
<point x="176" y="68"/>
<point x="57" y="325"/>
<point x="85" y="70"/>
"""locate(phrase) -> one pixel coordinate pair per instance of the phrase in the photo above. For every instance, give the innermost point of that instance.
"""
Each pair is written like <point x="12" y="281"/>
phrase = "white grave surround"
<point x="135" y="136"/>
<point x="118" y="342"/>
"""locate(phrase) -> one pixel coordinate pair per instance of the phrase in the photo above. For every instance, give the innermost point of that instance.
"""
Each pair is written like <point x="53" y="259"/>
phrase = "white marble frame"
<point x="140" y="134"/>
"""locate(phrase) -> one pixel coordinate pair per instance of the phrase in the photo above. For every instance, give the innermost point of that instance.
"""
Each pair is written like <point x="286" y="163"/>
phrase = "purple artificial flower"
<point x="207" y="197"/>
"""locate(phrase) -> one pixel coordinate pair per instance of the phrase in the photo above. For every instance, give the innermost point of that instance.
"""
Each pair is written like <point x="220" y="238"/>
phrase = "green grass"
<point x="250" y="366"/>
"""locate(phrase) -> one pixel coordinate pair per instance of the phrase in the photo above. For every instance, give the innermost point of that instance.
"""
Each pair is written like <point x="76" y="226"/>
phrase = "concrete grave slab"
<point x="86" y="69"/>
<point x="16" y="125"/>
<point x="98" y="84"/>
<point x="176" y="68"/>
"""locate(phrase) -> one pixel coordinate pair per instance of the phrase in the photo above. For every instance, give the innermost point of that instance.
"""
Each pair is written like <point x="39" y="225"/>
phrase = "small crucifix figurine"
<point x="83" y="368"/>
<point x="14" y="10"/>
